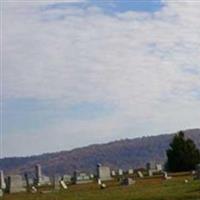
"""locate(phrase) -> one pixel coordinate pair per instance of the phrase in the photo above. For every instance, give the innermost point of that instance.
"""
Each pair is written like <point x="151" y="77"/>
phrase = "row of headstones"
<point x="121" y="172"/>
<point x="153" y="167"/>
<point x="104" y="172"/>
<point x="15" y="183"/>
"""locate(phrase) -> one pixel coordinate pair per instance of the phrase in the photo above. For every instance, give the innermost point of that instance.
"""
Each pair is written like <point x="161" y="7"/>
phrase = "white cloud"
<point x="133" y="60"/>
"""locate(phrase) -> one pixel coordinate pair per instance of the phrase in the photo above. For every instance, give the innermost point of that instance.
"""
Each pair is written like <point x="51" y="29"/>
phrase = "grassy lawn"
<point x="146" y="189"/>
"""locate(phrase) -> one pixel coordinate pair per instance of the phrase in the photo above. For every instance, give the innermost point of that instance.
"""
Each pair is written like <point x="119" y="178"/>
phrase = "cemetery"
<point x="173" y="180"/>
<point x="106" y="183"/>
<point x="92" y="94"/>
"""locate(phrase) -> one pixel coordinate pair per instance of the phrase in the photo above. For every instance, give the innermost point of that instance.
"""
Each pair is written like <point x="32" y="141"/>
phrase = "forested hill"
<point x="128" y="153"/>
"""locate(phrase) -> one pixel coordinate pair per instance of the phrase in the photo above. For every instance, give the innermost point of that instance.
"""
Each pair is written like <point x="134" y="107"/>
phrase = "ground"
<point x="146" y="189"/>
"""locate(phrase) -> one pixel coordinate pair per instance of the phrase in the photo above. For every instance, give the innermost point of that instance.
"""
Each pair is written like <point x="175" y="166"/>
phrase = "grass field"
<point x="146" y="189"/>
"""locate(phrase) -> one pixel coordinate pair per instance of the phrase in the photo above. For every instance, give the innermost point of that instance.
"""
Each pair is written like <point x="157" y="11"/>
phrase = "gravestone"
<point x="99" y="181"/>
<point x="67" y="178"/>
<point x="130" y="171"/>
<point x="128" y="181"/>
<point x="152" y="167"/>
<point x="38" y="174"/>
<point x="159" y="167"/>
<point x="103" y="186"/>
<point x="150" y="172"/>
<point x="33" y="189"/>
<point x="91" y="176"/>
<point x="166" y="177"/>
<point x="140" y="174"/>
<point x="103" y="172"/>
<point x="15" y="184"/>
<point x="45" y="180"/>
<point x="2" y="181"/>
<point x="63" y="185"/>
<point x="120" y="172"/>
<point x="113" y="173"/>
<point x="81" y="177"/>
<point x="56" y="182"/>
<point x="39" y="178"/>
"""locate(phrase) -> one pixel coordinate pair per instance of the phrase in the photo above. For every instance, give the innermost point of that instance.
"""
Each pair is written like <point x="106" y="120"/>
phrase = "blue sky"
<point x="114" y="6"/>
<point x="32" y="114"/>
<point x="84" y="72"/>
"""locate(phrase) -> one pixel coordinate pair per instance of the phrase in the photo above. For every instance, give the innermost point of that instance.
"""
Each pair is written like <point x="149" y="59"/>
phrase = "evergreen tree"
<point x="182" y="154"/>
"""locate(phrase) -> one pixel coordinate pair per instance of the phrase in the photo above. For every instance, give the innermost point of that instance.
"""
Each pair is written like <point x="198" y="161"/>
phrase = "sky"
<point x="79" y="72"/>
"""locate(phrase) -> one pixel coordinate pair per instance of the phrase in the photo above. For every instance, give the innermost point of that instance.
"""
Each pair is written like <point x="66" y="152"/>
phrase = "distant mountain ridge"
<point x="127" y="153"/>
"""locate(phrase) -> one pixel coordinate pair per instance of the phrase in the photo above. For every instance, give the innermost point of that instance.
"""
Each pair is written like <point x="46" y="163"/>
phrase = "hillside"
<point x="119" y="154"/>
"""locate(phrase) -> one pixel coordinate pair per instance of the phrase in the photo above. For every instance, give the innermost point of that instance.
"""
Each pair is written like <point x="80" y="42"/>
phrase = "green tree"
<point x="182" y="154"/>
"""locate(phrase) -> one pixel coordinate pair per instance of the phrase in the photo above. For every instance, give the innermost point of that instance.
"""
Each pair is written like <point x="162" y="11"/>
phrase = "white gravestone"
<point x="103" y="173"/>
<point x="140" y="174"/>
<point x="130" y="171"/>
<point x="15" y="184"/>
<point x="166" y="177"/>
<point x="113" y="173"/>
<point x="63" y="185"/>
<point x="56" y="182"/>
<point x="120" y="172"/>
<point x="2" y="181"/>
<point x="159" y="167"/>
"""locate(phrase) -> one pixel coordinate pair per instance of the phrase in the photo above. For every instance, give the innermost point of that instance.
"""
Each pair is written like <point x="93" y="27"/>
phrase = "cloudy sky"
<point x="79" y="72"/>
